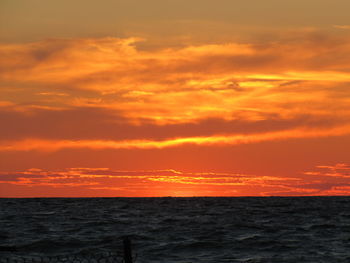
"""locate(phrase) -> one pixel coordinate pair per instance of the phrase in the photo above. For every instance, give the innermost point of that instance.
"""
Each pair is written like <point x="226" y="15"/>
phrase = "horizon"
<point x="145" y="197"/>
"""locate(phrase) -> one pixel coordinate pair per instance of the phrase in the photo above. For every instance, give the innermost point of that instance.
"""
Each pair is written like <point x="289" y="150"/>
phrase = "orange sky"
<point x="173" y="98"/>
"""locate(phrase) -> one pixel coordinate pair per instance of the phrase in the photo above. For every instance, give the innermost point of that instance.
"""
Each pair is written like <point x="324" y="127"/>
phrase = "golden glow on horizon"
<point x="176" y="183"/>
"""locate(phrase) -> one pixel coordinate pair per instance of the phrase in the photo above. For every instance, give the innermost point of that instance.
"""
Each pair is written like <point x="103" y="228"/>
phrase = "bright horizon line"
<point x="226" y="196"/>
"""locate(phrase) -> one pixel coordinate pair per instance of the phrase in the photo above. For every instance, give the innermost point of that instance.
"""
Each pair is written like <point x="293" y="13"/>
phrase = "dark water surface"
<point x="167" y="230"/>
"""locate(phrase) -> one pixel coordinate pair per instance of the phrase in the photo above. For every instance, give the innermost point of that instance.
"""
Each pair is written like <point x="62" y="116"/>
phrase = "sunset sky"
<point x="174" y="98"/>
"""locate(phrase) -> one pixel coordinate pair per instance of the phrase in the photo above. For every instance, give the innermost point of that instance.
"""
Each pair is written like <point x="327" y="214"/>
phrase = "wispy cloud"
<point x="141" y="183"/>
<point x="342" y="26"/>
<point x="228" y="139"/>
<point x="172" y="182"/>
<point x="340" y="170"/>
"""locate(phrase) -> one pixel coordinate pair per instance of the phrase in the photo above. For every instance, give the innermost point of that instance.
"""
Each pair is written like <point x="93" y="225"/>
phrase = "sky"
<point x="174" y="98"/>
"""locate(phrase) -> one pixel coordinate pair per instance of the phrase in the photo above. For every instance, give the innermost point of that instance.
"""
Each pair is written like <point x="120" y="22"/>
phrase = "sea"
<point x="176" y="230"/>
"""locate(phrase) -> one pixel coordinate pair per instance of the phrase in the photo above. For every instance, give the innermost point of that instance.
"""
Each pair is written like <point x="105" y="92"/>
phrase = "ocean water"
<point x="168" y="230"/>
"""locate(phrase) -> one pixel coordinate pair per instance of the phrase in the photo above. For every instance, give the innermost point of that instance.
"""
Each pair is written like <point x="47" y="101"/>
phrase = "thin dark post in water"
<point x="127" y="250"/>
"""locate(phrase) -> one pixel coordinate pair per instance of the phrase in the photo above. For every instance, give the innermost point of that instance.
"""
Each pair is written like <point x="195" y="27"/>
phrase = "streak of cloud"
<point x="342" y="26"/>
<point x="56" y="145"/>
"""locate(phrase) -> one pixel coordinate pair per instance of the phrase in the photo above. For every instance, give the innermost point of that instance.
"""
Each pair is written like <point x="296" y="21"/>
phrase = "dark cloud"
<point x="95" y="123"/>
<point x="19" y="176"/>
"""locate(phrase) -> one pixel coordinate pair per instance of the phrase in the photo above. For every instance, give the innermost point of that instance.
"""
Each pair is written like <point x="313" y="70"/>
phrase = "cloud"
<point x="323" y="180"/>
<point x="178" y="84"/>
<point x="227" y="139"/>
<point x="339" y="170"/>
<point x="342" y="26"/>
<point x="104" y="179"/>
<point x="99" y="181"/>
<point x="86" y="123"/>
<point x="109" y="93"/>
